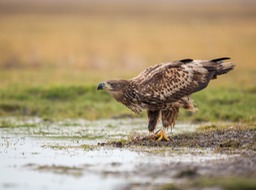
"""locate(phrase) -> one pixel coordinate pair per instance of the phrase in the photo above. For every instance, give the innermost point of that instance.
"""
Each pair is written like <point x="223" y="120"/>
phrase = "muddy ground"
<point x="116" y="154"/>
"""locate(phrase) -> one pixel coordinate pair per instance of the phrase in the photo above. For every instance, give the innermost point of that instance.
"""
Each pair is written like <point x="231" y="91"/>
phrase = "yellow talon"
<point x="162" y="135"/>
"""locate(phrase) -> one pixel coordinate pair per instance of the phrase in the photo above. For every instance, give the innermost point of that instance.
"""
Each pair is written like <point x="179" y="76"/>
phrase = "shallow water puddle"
<point x="65" y="154"/>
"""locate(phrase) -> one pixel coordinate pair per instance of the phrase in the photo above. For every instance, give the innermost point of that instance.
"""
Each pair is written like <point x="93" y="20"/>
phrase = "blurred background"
<point x="82" y="42"/>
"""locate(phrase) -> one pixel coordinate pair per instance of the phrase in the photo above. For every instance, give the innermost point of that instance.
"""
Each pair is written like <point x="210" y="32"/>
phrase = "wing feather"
<point x="168" y="82"/>
<point x="155" y="69"/>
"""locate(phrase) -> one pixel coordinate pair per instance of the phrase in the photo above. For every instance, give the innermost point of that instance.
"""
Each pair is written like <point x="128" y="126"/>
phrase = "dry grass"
<point x="123" y="40"/>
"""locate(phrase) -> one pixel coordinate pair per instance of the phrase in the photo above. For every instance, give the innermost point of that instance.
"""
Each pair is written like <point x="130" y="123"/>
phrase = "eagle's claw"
<point x="162" y="135"/>
<point x="159" y="135"/>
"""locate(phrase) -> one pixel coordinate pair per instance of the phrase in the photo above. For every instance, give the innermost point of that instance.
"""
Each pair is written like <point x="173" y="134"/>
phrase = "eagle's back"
<point x="168" y="82"/>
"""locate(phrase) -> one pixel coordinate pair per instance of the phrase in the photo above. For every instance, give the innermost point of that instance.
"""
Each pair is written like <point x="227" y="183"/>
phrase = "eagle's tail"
<point x="223" y="67"/>
<point x="219" y="67"/>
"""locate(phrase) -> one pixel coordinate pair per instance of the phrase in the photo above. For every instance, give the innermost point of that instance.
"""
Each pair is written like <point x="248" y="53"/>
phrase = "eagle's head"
<point x="113" y="87"/>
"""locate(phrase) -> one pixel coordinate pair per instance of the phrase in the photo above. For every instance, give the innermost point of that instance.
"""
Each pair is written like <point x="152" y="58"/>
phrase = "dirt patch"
<point x="219" y="139"/>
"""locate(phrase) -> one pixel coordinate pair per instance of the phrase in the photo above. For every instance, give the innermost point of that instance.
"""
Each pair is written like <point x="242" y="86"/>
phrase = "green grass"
<point x="57" y="102"/>
<point x="219" y="104"/>
<point x="76" y="101"/>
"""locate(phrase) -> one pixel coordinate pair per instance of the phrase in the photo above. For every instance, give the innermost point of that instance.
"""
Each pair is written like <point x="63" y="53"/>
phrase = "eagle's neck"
<point x="128" y="96"/>
<point x="124" y="94"/>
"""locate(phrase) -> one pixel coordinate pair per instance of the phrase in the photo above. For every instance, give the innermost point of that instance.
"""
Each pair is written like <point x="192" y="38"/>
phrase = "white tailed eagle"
<point x="165" y="88"/>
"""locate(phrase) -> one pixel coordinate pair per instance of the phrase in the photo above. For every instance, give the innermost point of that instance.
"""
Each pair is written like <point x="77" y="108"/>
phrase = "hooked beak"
<point x="101" y="86"/>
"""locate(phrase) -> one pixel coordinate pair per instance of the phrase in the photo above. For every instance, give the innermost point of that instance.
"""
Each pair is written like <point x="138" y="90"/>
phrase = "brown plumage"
<point x="164" y="88"/>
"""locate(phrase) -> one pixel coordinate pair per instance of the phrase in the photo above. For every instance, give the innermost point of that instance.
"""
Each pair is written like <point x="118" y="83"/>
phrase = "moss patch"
<point x="224" y="183"/>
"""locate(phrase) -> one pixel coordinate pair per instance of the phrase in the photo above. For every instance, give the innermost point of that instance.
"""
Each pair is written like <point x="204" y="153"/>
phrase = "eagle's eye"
<point x="114" y="85"/>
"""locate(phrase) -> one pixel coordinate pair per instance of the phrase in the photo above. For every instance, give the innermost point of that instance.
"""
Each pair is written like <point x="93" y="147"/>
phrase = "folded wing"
<point x="168" y="82"/>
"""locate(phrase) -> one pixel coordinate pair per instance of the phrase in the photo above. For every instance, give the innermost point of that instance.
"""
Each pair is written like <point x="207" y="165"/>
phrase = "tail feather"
<point x="214" y="68"/>
<point x="219" y="59"/>
<point x="224" y="68"/>
<point x="217" y="67"/>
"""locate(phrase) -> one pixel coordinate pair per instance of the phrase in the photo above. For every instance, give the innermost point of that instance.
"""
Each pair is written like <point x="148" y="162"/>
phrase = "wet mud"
<point x="118" y="154"/>
<point x="224" y="139"/>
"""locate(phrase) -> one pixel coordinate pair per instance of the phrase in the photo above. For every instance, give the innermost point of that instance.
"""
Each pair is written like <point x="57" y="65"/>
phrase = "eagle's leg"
<point x="153" y="117"/>
<point x="168" y="120"/>
<point x="165" y="122"/>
